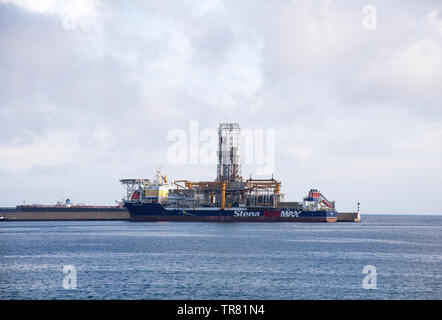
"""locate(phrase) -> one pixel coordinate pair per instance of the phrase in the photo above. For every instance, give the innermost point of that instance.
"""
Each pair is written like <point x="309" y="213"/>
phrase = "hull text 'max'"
<point x="228" y="198"/>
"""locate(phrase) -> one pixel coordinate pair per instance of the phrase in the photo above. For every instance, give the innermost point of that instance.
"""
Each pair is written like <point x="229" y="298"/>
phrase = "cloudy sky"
<point x="89" y="91"/>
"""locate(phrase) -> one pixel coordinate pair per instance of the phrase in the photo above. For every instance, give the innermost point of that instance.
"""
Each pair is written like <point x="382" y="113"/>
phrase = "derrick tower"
<point x="229" y="153"/>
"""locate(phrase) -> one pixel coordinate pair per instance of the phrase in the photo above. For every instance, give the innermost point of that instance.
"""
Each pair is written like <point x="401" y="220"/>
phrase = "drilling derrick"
<point x="229" y="154"/>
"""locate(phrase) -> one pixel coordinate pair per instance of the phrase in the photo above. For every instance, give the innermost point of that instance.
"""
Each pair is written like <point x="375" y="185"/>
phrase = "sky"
<point x="90" y="91"/>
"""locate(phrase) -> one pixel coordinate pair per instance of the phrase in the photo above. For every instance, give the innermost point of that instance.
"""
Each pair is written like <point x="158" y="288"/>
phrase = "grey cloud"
<point x="120" y="81"/>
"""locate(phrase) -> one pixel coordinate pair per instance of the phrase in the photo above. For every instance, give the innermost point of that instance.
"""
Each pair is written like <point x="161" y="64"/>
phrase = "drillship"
<point x="228" y="198"/>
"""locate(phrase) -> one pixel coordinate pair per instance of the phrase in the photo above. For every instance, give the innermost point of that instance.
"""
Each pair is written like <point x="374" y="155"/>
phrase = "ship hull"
<point x="156" y="212"/>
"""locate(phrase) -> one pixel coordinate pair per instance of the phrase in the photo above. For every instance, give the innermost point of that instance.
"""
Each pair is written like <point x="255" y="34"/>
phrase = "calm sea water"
<point x="130" y="260"/>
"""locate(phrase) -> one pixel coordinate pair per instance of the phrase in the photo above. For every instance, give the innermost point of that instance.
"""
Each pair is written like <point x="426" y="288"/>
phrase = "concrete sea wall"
<point x="349" y="217"/>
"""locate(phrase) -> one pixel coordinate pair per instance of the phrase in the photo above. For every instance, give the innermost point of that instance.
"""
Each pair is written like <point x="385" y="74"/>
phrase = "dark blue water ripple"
<point x="127" y="260"/>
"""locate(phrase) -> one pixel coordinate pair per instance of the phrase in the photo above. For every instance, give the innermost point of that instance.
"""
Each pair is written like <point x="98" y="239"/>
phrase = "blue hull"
<point x="156" y="212"/>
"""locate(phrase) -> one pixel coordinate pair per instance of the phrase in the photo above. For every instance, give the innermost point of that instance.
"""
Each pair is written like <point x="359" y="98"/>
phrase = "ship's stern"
<point x="331" y="216"/>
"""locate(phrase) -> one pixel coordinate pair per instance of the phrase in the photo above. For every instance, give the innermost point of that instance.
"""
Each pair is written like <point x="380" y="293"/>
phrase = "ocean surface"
<point x="173" y="260"/>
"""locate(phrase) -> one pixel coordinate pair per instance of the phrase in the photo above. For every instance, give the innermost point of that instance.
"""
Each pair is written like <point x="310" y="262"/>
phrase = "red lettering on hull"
<point x="272" y="213"/>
